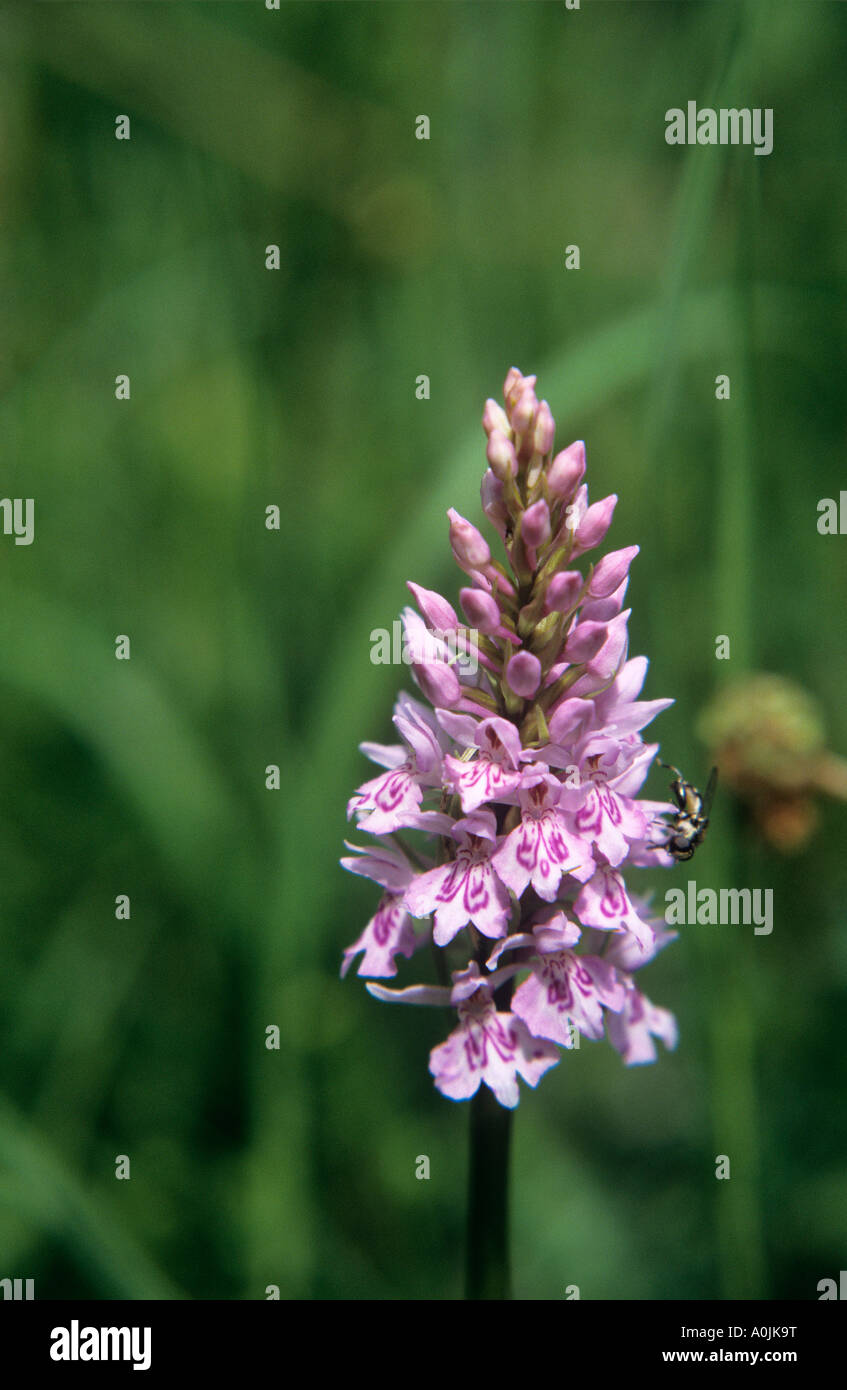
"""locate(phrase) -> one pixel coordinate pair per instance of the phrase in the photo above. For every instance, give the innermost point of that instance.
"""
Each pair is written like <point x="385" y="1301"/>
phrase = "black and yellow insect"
<point x="689" y="825"/>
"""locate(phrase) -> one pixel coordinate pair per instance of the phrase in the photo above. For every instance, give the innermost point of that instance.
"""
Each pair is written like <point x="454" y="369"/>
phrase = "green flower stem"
<point x="488" y="1268"/>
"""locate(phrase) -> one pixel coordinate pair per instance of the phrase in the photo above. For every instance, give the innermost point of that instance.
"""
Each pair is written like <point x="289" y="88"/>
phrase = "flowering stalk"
<point x="487" y="1273"/>
<point x="506" y="817"/>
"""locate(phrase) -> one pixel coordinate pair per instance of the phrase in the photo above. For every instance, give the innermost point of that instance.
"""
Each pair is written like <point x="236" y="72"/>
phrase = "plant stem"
<point x="488" y="1273"/>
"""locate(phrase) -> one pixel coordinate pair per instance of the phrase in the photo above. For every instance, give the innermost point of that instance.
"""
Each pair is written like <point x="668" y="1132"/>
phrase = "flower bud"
<point x="566" y="470"/>
<point x="585" y="641"/>
<point x="494" y="418"/>
<point x="535" y="524"/>
<point x="515" y="385"/>
<point x="545" y="429"/>
<point x="613" y="651"/>
<point x="439" y="614"/>
<point x="595" y="523"/>
<point x="491" y="496"/>
<point x="439" y="683"/>
<point x="563" y="592"/>
<point x="469" y="545"/>
<point x="481" y="581"/>
<point x="481" y="610"/>
<point x="602" y="610"/>
<point x="512" y="376"/>
<point x="524" y="412"/>
<point x="501" y="455"/>
<point x="523" y="674"/>
<point x="611" y="571"/>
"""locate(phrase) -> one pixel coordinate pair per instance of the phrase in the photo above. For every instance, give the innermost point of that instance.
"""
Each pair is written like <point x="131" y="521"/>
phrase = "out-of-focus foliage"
<point x="250" y="647"/>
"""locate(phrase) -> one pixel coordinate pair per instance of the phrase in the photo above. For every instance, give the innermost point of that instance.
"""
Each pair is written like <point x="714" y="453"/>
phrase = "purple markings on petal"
<point x="613" y="902"/>
<point x="393" y="789"/>
<point x="590" y="819"/>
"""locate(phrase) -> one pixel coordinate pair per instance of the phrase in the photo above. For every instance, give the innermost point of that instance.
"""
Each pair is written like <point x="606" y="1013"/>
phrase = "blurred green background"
<point x="295" y="387"/>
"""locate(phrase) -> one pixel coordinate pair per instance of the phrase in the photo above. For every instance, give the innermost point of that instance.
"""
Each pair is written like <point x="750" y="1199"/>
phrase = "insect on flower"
<point x="689" y="825"/>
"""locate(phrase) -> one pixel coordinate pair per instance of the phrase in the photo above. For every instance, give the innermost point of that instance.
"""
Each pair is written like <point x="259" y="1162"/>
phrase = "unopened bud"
<point x="515" y="385"/>
<point x="595" y="523"/>
<point x="439" y="614"/>
<point x="563" y="591"/>
<point x="494" y="418"/>
<point x="613" y="651"/>
<point x="585" y="641"/>
<point x="469" y="545"/>
<point x="602" y="610"/>
<point x="439" y="683"/>
<point x="535" y="524"/>
<point x="611" y="570"/>
<point x="491" y="496"/>
<point x="545" y="429"/>
<point x="480" y="609"/>
<point x="523" y="674"/>
<point x="524" y="412"/>
<point x="566" y="470"/>
<point x="501" y="455"/>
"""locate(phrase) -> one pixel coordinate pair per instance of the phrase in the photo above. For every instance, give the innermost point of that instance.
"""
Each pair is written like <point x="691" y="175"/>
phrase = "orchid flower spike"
<point x="504" y="822"/>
